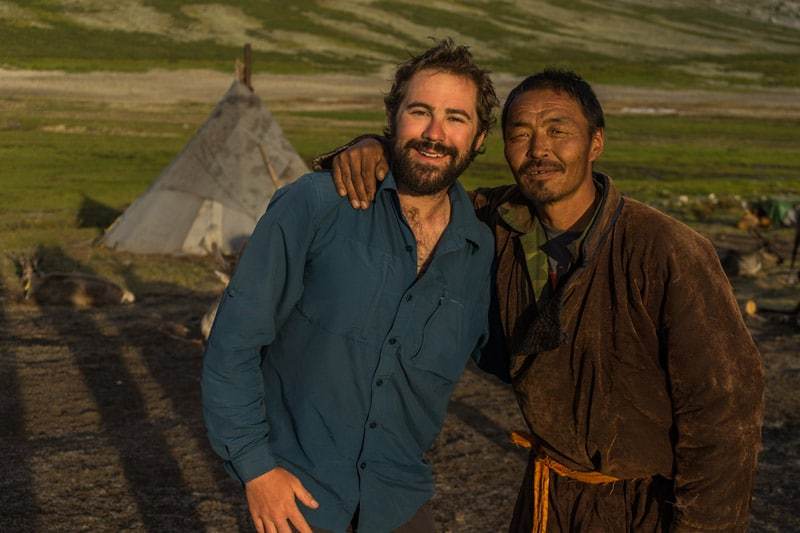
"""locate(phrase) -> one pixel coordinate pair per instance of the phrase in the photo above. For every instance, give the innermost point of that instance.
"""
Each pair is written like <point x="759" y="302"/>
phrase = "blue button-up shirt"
<point x="330" y="358"/>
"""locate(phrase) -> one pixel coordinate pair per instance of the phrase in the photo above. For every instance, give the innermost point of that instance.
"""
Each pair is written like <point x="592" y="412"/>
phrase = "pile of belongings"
<point x="774" y="212"/>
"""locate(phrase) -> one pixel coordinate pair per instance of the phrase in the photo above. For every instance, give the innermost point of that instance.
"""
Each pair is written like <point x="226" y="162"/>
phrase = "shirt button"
<point x="393" y="340"/>
<point x="363" y="466"/>
<point x="379" y="382"/>
<point x="409" y="298"/>
<point x="373" y="425"/>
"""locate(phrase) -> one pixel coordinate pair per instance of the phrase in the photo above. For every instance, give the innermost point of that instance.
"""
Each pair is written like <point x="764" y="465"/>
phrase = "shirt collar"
<point x="388" y="183"/>
<point x="463" y="225"/>
<point x="516" y="212"/>
<point x="518" y="216"/>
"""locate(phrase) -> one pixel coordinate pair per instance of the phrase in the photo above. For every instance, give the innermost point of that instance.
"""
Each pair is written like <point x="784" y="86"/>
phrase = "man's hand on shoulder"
<point x="357" y="170"/>
<point x="271" y="500"/>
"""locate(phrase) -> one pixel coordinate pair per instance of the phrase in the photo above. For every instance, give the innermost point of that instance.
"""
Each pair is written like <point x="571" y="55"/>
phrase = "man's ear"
<point x="597" y="144"/>
<point x="389" y="130"/>
<point x="478" y="141"/>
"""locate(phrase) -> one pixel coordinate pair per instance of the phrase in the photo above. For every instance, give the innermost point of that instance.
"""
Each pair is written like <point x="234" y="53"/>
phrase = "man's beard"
<point x="419" y="179"/>
<point x="537" y="190"/>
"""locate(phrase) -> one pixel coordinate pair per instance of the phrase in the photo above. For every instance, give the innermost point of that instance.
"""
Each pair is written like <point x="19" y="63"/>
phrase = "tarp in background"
<point x="216" y="188"/>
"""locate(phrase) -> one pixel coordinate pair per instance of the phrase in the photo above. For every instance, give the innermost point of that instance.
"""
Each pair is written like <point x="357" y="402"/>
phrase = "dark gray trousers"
<point x="422" y="522"/>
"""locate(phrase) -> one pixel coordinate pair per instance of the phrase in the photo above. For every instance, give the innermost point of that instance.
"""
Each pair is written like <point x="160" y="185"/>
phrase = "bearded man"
<point x="637" y="377"/>
<point x="342" y="333"/>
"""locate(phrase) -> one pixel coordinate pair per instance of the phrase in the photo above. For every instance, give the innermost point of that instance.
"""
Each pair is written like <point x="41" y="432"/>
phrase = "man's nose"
<point x="434" y="131"/>
<point x="538" y="147"/>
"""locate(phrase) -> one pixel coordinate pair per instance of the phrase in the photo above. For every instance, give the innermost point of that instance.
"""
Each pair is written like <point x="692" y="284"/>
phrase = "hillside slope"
<point x="679" y="42"/>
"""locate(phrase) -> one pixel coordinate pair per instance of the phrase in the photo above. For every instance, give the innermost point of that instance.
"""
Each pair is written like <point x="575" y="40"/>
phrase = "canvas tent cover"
<point x="216" y="188"/>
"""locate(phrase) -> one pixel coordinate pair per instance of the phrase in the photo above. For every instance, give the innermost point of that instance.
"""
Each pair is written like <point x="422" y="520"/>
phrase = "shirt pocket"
<point x="342" y="286"/>
<point x="442" y="348"/>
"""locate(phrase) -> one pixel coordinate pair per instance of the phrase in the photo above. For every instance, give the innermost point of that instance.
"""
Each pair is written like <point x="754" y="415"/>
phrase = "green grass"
<point x="69" y="167"/>
<point x="648" y="156"/>
<point x="61" y="187"/>
<point x="75" y="49"/>
<point x="702" y="155"/>
<point x="651" y="156"/>
<point x="499" y="39"/>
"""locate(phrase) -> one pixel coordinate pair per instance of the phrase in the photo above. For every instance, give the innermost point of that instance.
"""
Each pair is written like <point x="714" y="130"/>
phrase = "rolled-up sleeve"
<point x="265" y="287"/>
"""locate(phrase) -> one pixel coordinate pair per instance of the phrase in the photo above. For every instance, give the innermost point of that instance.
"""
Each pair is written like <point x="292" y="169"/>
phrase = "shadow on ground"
<point x="141" y="384"/>
<point x="101" y="427"/>
<point x="94" y="214"/>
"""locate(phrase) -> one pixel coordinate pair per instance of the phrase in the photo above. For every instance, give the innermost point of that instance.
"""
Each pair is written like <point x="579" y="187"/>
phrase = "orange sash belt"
<point x="541" y="479"/>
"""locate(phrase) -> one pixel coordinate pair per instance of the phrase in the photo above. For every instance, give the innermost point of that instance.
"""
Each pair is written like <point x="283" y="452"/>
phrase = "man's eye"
<point x="456" y="118"/>
<point x="521" y="136"/>
<point x="418" y="112"/>
<point x="557" y="132"/>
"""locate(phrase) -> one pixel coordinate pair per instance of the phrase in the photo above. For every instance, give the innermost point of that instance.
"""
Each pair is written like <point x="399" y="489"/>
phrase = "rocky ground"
<point x="101" y="429"/>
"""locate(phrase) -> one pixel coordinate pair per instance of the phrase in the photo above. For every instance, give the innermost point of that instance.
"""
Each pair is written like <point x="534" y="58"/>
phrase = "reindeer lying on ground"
<point x="750" y="264"/>
<point x="747" y="265"/>
<point x="227" y="266"/>
<point x="69" y="288"/>
<point x="208" y="319"/>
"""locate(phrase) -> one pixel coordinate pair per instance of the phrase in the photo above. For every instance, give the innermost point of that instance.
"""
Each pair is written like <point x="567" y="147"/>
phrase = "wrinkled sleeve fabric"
<point x="716" y="383"/>
<point x="481" y="318"/>
<point x="267" y="284"/>
<point x="493" y="357"/>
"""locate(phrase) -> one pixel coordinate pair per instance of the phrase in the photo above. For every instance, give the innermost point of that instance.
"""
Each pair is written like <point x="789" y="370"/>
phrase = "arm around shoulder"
<point x="357" y="167"/>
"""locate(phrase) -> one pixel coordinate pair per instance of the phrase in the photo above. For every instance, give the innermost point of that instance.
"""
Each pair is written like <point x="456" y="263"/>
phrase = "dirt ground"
<point x="100" y="422"/>
<point x="329" y="91"/>
<point x="101" y="429"/>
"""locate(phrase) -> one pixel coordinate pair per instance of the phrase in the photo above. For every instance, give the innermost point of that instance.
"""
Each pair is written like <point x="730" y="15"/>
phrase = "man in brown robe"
<point x="639" y="382"/>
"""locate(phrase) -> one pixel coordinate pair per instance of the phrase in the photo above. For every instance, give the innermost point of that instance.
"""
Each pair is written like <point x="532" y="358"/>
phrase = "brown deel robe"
<point x="639" y="367"/>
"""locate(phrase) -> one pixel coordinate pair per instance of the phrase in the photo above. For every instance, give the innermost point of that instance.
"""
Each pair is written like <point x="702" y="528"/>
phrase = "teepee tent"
<point x="217" y="187"/>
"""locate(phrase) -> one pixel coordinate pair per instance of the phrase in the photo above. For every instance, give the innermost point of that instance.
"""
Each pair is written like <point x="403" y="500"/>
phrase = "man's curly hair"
<point x="444" y="57"/>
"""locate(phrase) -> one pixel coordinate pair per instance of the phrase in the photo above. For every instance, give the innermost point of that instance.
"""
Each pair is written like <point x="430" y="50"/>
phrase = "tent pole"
<point x="248" y="66"/>
<point x="270" y="170"/>
<point x="796" y="239"/>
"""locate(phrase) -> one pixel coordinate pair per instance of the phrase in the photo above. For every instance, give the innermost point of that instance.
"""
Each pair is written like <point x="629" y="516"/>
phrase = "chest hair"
<point x="426" y="233"/>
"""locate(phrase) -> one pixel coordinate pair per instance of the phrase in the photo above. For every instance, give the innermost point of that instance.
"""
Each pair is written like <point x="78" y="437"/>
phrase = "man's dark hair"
<point x="444" y="57"/>
<point x="562" y="81"/>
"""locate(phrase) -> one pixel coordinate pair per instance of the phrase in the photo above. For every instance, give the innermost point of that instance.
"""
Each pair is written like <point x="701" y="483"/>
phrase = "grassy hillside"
<point x="71" y="164"/>
<point x="72" y="167"/>
<point x="674" y="43"/>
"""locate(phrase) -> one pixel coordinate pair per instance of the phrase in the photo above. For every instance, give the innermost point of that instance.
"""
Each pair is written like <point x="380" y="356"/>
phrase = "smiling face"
<point x="549" y="148"/>
<point x="436" y="132"/>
